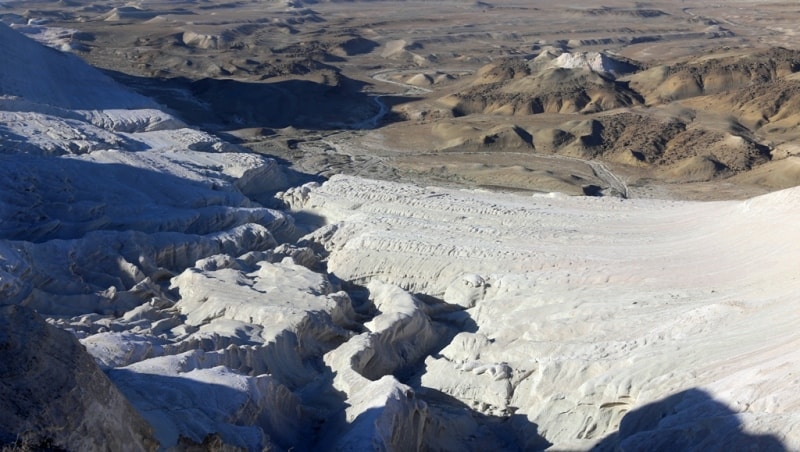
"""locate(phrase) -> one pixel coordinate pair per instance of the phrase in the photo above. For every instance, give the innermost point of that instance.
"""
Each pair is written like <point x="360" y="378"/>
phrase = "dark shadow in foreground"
<point x="690" y="420"/>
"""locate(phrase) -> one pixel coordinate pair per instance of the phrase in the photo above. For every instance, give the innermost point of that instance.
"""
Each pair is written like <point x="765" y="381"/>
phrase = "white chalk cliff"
<point x="409" y="318"/>
<point x="675" y="320"/>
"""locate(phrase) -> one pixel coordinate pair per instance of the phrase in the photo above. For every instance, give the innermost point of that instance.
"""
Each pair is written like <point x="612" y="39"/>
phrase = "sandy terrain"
<point x="668" y="95"/>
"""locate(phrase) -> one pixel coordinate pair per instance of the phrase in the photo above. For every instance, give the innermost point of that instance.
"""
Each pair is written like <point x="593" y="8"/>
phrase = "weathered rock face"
<point x="595" y="322"/>
<point x="100" y="208"/>
<point x="54" y="393"/>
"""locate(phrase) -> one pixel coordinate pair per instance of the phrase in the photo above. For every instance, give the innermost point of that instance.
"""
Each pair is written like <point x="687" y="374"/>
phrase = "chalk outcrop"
<point x="588" y="311"/>
<point x="106" y="198"/>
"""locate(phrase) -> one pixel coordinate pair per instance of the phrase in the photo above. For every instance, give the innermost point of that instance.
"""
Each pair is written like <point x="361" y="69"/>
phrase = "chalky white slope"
<point x="596" y="322"/>
<point x="104" y="198"/>
<point x="146" y="240"/>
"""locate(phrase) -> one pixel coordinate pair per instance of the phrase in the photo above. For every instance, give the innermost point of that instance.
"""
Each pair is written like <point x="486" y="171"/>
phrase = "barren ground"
<point x="465" y="93"/>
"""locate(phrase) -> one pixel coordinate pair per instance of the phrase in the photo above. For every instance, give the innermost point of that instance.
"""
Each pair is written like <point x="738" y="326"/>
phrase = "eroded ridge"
<point x="585" y="309"/>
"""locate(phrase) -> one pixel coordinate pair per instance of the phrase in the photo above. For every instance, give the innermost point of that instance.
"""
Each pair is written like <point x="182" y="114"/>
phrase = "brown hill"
<point x="510" y="89"/>
<point x="714" y="73"/>
<point x="643" y="140"/>
<point x="772" y="109"/>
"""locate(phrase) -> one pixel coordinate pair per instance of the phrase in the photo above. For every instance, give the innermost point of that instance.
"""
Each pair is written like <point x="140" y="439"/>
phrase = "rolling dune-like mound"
<point x="779" y="174"/>
<point x="697" y="168"/>
<point x="501" y="71"/>
<point x="420" y="80"/>
<point x="748" y="96"/>
<point x="452" y="135"/>
<point x="682" y="150"/>
<point x="129" y="13"/>
<point x="770" y="109"/>
<point x="741" y="96"/>
<point x="403" y="50"/>
<point x="643" y="13"/>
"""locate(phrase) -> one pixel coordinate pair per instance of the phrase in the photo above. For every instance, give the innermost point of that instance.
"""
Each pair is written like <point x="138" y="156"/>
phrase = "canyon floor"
<point x="396" y="225"/>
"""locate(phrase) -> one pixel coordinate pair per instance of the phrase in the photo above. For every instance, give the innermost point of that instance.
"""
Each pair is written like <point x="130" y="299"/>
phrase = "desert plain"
<point x="391" y="225"/>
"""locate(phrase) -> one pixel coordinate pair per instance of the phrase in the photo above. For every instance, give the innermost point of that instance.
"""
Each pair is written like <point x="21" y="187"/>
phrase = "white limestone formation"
<point x="589" y="311"/>
<point x="604" y="63"/>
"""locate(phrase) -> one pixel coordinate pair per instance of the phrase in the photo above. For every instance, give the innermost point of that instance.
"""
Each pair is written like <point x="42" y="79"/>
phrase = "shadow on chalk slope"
<point x="690" y="420"/>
